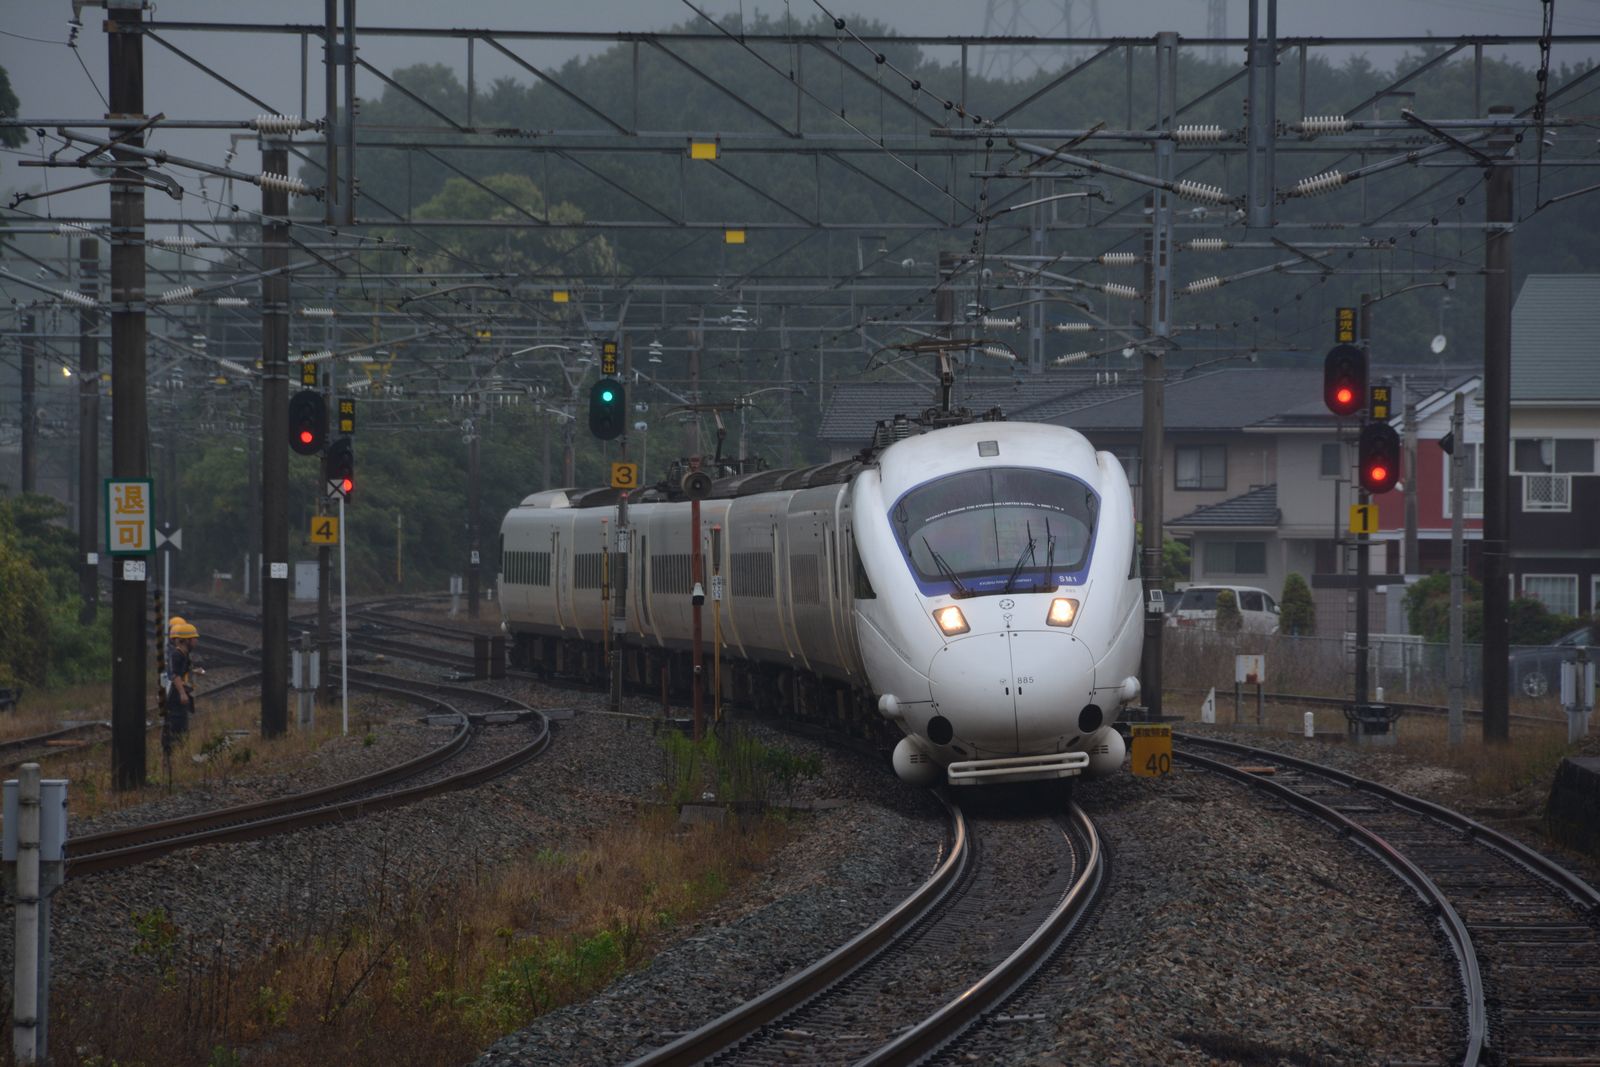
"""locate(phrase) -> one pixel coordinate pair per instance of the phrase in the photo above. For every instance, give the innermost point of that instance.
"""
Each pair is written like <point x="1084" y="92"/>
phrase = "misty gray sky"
<point x="51" y="84"/>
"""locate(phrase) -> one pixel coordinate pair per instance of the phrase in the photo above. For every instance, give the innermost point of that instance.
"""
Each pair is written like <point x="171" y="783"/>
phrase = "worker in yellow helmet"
<point x="179" y="702"/>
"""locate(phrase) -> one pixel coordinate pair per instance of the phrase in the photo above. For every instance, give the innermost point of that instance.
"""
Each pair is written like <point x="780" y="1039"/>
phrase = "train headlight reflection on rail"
<point x="1063" y="612"/>
<point x="951" y="621"/>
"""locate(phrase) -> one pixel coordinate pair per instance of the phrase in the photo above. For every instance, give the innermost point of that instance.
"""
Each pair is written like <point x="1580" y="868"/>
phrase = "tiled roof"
<point x="854" y="408"/>
<point x="1555" y="338"/>
<point x="1258" y="507"/>
<point x="1226" y="399"/>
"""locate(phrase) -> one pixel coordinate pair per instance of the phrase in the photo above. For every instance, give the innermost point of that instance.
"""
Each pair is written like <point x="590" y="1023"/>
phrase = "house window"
<point x="1236" y="557"/>
<point x="1471" y="455"/>
<point x="1333" y="464"/>
<point x="1202" y="466"/>
<point x="1128" y="456"/>
<point x="1547" y="455"/>
<point x="1557" y="592"/>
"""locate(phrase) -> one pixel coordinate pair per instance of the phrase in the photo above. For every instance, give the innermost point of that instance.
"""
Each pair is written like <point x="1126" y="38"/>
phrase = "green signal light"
<point x="608" y="396"/>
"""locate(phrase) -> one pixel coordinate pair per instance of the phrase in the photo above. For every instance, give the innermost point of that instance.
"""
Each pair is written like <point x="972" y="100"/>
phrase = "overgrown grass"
<point x="430" y="978"/>
<point x="223" y="745"/>
<point x="732" y="767"/>
<point x="1490" y="773"/>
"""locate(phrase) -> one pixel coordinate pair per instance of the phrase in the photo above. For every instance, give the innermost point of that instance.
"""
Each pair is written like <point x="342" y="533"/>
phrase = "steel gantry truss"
<point x="789" y="198"/>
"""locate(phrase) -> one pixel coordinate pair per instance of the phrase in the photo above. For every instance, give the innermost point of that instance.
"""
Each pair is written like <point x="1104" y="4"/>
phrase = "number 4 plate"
<point x="324" y="530"/>
<point x="1152" y="750"/>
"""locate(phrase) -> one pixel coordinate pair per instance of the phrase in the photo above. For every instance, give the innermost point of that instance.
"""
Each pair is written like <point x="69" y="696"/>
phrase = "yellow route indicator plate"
<point x="1363" y="518"/>
<point x="1152" y="750"/>
<point x="624" y="475"/>
<point x="324" y="530"/>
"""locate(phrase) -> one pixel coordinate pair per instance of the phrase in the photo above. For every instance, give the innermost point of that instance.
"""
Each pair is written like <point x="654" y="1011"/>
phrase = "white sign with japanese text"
<point x="130" y="529"/>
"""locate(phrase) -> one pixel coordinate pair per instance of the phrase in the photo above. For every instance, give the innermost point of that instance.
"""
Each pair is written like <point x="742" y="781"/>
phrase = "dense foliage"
<point x="1428" y="611"/>
<point x="42" y="643"/>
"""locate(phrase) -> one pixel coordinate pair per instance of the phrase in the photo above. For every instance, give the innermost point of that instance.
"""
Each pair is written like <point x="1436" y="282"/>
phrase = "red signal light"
<point x="1378" y="474"/>
<point x="1345" y="395"/>
<point x="347" y="485"/>
<point x="306" y="437"/>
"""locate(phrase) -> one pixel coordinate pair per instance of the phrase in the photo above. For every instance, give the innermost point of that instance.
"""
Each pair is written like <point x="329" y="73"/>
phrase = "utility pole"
<point x="1158" y="316"/>
<point x="1363" y="563"/>
<point x="1412" y="554"/>
<point x="330" y="110"/>
<point x="30" y="407"/>
<point x="88" y="432"/>
<point x="1261" y="128"/>
<point x="1498" y="206"/>
<point x="474" y="499"/>
<point x="274" y="576"/>
<point x="1455" y="673"/>
<point x="129" y="423"/>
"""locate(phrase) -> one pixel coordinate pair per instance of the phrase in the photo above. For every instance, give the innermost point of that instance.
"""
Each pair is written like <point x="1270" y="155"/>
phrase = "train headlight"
<point x="951" y="621"/>
<point x="1063" y="612"/>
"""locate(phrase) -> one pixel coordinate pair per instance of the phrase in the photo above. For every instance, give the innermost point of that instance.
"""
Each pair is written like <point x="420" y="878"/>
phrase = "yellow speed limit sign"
<point x="324" y="530"/>
<point x="624" y="475"/>
<point x="1152" y="750"/>
<point x="1363" y="518"/>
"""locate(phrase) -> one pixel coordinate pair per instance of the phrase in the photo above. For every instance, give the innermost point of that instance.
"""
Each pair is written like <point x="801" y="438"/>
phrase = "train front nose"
<point x="1007" y="692"/>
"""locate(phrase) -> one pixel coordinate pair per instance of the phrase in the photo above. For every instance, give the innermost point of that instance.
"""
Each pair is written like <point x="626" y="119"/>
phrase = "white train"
<point x="975" y="585"/>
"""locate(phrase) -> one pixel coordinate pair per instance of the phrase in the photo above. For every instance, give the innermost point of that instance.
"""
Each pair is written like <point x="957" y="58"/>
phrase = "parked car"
<point x="1198" y="608"/>
<point x="1536" y="670"/>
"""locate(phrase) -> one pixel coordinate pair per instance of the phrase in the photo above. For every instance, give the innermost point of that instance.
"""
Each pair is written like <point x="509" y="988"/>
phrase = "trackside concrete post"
<point x="34" y="852"/>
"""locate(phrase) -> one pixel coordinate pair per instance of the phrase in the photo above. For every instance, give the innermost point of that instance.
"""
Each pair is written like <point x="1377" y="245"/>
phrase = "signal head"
<point x="308" y="422"/>
<point x="1379" y="457"/>
<point x="1344" y="380"/>
<point x="608" y="409"/>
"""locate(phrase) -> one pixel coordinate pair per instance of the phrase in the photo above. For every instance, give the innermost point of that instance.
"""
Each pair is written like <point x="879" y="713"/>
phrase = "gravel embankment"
<point x="1230" y="925"/>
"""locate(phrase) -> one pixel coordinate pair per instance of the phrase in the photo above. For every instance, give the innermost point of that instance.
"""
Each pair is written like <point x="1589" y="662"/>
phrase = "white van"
<point x="1198" y="608"/>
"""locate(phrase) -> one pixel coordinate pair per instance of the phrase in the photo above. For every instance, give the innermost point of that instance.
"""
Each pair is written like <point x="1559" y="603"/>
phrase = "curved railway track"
<point x="1431" y="710"/>
<point x="979" y="927"/>
<point x="349" y="799"/>
<point x="1524" y="929"/>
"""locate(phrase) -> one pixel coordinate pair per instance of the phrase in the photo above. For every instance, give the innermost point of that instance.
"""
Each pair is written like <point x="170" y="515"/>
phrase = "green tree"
<point x="24" y="610"/>
<point x="1229" y="620"/>
<point x="11" y="136"/>
<point x="1428" y="608"/>
<point x="1298" y="612"/>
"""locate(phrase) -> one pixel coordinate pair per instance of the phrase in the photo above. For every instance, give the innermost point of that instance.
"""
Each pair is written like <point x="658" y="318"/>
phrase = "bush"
<point x="1428" y="608"/>
<point x="1229" y="621"/>
<point x="1297" y="611"/>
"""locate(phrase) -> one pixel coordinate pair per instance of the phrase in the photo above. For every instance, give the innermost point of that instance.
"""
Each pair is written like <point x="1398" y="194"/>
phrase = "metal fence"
<point x="1408" y="668"/>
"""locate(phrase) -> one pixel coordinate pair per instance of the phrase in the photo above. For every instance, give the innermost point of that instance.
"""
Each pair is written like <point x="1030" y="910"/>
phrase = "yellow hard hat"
<point x="182" y="630"/>
<point x="173" y="623"/>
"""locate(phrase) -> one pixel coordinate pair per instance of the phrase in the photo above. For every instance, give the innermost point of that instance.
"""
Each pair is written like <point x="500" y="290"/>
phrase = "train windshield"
<point x="997" y="530"/>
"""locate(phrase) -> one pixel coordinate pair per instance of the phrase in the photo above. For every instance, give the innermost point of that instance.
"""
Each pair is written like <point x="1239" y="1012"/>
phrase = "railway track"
<point x="425" y="776"/>
<point x="1432" y="710"/>
<point x="1525" y="931"/>
<point x="1005" y="896"/>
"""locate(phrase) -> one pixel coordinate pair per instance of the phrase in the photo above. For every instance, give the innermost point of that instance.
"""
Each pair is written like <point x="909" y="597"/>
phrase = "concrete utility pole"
<point x="1158" y="319"/>
<point x="1498" y="205"/>
<point x="129" y="421"/>
<point x="1412" y="554"/>
<point x="474" y="507"/>
<point x="88" y="432"/>
<point x="1363" y="562"/>
<point x="1455" y="671"/>
<point x="26" y="344"/>
<point x="274" y="577"/>
<point x="1262" y="57"/>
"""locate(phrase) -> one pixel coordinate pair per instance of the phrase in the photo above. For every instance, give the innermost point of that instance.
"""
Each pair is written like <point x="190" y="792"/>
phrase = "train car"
<point x="974" y="586"/>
